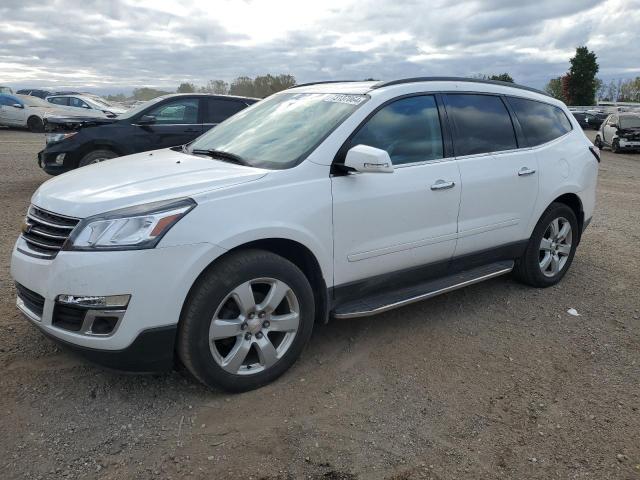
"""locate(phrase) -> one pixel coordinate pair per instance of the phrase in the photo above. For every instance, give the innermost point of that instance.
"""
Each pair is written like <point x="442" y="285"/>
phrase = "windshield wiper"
<point x="222" y="155"/>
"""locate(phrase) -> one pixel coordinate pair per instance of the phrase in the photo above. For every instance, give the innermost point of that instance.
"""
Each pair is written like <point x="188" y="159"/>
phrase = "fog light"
<point x="111" y="301"/>
<point x="60" y="158"/>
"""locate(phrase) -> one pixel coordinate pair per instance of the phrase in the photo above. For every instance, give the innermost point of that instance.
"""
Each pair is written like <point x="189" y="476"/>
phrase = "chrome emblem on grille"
<point x="26" y="227"/>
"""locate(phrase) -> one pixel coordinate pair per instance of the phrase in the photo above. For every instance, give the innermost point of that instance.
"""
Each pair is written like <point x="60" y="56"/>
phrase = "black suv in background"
<point x="164" y="122"/>
<point x="590" y="120"/>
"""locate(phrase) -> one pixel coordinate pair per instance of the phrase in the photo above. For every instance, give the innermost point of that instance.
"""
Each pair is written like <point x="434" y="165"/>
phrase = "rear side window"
<point x="408" y="129"/>
<point x="540" y="122"/>
<point x="220" y="110"/>
<point x="482" y="124"/>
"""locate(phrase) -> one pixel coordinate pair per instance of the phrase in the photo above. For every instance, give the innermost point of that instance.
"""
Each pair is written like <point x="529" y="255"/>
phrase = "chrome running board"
<point x="381" y="303"/>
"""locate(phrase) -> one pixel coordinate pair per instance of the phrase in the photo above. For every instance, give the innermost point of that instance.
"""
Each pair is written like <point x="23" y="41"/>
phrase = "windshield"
<point x="282" y="130"/>
<point x="101" y="101"/>
<point x="30" y="101"/>
<point x="136" y="110"/>
<point x="630" y="121"/>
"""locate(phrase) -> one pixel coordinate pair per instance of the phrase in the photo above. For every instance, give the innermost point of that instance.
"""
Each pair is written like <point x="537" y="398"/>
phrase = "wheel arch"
<point x="572" y="200"/>
<point x="294" y="251"/>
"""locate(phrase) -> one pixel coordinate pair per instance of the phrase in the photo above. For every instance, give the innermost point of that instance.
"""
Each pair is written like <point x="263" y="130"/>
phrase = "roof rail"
<point x="457" y="79"/>
<point x="326" y="81"/>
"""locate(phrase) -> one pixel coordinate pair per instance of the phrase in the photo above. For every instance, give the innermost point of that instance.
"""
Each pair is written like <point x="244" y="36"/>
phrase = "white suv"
<point x="326" y="200"/>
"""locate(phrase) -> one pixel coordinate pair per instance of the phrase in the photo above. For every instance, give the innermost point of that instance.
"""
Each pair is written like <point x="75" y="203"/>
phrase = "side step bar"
<point x="384" y="302"/>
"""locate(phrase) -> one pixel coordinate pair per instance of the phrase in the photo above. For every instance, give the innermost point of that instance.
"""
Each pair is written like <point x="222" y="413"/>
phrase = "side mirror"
<point x="17" y="105"/>
<point x="146" y="120"/>
<point x="363" y="158"/>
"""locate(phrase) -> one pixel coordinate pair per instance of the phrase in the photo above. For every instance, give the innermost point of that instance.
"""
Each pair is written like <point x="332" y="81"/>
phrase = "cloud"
<point x="119" y="44"/>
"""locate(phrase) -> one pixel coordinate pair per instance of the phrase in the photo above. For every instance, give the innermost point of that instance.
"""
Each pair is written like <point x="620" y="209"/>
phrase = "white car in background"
<point x="29" y="112"/>
<point x="99" y="106"/>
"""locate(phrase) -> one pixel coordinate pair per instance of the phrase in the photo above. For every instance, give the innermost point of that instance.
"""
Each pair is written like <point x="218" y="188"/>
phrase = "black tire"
<point x="35" y="124"/>
<point x="96" y="156"/>
<point x="527" y="268"/>
<point x="598" y="142"/>
<point x="210" y="292"/>
<point x="615" y="146"/>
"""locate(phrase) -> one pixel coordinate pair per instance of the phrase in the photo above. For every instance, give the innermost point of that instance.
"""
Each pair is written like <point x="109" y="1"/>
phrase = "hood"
<point x="55" y="110"/>
<point x="138" y="179"/>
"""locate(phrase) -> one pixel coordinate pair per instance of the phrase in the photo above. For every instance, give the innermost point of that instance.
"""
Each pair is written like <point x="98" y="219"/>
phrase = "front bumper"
<point x="158" y="281"/>
<point x="47" y="162"/>
<point x="629" y="144"/>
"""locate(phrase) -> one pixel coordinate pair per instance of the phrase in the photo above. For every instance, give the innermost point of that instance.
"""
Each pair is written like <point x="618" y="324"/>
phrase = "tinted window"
<point x="540" y="122"/>
<point x="180" y="111"/>
<point x="482" y="124"/>
<point x="408" y="129"/>
<point x="220" y="110"/>
<point x="58" y="100"/>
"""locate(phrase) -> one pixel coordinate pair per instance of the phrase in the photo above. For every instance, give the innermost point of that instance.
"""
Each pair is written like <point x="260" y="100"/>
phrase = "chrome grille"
<point x="45" y="232"/>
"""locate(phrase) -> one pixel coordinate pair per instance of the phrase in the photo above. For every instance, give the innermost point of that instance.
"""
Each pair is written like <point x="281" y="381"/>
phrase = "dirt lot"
<point x="493" y="381"/>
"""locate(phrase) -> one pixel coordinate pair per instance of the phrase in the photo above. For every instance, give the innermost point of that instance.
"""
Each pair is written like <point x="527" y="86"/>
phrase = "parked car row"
<point x="30" y="112"/>
<point x="325" y="200"/>
<point x="160" y="123"/>
<point x="591" y="120"/>
<point x="620" y="131"/>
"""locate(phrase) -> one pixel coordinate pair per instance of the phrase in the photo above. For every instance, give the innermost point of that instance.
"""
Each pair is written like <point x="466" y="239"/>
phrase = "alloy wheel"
<point x="555" y="247"/>
<point x="254" y="326"/>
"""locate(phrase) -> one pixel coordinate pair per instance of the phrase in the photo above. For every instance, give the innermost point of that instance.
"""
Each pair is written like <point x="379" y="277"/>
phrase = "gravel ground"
<point x="493" y="381"/>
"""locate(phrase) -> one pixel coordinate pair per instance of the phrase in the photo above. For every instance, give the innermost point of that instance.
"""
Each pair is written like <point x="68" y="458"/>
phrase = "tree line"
<point x="260" y="87"/>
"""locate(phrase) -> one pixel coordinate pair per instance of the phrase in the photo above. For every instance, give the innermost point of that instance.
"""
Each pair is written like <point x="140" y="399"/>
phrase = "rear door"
<point x="219" y="109"/>
<point x="499" y="180"/>
<point x="177" y="121"/>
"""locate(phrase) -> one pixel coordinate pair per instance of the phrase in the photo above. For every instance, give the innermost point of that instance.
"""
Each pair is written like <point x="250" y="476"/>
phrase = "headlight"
<point x="58" y="137"/>
<point x="133" y="228"/>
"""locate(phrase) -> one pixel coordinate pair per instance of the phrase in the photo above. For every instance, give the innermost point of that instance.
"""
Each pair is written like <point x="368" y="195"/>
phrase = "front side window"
<point x="540" y="122"/>
<point x="282" y="130"/>
<point x="76" y="102"/>
<point x="58" y="100"/>
<point x="180" y="111"/>
<point x="482" y="124"/>
<point x="408" y="129"/>
<point x="8" y="101"/>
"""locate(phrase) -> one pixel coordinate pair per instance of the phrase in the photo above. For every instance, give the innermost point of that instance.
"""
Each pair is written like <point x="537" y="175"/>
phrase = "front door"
<point x="177" y="122"/>
<point x="390" y="222"/>
<point x="608" y="129"/>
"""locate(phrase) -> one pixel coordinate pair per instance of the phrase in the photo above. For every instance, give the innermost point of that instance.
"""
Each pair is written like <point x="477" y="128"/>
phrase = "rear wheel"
<point x="246" y="321"/>
<point x="35" y="124"/>
<point x="96" y="156"/>
<point x="551" y="248"/>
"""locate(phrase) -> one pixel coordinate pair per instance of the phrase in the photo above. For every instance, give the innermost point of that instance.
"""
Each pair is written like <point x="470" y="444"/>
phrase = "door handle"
<point x="442" y="185"/>
<point x="524" y="171"/>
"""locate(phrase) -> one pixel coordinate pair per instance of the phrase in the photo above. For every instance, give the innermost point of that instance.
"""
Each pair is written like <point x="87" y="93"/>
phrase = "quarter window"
<point x="408" y="129"/>
<point x="181" y="111"/>
<point x="482" y="124"/>
<point x="540" y="122"/>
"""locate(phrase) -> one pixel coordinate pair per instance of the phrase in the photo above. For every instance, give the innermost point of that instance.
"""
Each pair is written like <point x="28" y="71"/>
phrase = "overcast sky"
<point x="114" y="45"/>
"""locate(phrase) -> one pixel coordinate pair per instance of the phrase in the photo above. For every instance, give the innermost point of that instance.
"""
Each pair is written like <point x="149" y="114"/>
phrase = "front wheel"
<point x="615" y="146"/>
<point x="35" y="124"/>
<point x="551" y="248"/>
<point x="246" y="321"/>
<point x="598" y="142"/>
<point x="96" y="156"/>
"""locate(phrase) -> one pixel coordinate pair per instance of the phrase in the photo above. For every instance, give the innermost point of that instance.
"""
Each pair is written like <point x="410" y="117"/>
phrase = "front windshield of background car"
<point x="630" y="121"/>
<point x="282" y="130"/>
<point x="136" y="110"/>
<point x="30" y="101"/>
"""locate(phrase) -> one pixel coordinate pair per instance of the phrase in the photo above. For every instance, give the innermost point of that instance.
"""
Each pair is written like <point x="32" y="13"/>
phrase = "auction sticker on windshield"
<point x="341" y="98"/>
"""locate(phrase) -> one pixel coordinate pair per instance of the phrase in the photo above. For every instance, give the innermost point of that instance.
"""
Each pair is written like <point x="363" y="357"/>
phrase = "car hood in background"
<point x="138" y="179"/>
